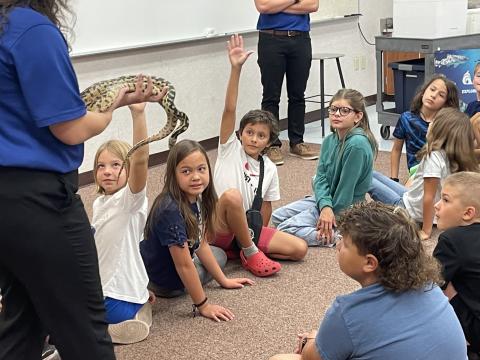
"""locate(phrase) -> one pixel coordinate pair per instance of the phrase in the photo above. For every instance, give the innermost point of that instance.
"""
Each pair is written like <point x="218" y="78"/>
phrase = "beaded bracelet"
<point x="196" y="306"/>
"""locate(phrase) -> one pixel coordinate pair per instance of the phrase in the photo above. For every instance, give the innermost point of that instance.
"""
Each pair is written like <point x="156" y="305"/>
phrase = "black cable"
<point x="364" y="38"/>
<point x="359" y="27"/>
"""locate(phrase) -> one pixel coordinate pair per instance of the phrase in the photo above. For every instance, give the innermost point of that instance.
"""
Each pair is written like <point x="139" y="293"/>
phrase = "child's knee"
<point x="231" y="198"/>
<point x="301" y="249"/>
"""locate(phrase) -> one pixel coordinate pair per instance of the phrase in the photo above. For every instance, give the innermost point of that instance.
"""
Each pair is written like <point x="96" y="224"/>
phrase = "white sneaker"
<point x="129" y="331"/>
<point x="145" y="314"/>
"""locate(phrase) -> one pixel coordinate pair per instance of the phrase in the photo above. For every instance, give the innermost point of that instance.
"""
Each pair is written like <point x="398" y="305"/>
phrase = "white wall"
<point x="199" y="72"/>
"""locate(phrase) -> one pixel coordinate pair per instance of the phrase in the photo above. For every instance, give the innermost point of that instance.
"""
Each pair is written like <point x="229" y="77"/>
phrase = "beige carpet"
<point x="269" y="314"/>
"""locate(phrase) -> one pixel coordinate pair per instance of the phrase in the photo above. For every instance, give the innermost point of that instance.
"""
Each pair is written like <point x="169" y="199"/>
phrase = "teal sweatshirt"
<point x="343" y="175"/>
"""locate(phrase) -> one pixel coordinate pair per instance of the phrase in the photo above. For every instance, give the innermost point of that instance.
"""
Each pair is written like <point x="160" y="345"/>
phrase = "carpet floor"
<point x="269" y="314"/>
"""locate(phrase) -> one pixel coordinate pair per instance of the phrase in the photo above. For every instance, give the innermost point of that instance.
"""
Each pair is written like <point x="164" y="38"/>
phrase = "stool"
<point x="322" y="57"/>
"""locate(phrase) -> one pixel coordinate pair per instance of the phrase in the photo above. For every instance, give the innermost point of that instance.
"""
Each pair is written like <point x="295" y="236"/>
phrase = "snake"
<point x="100" y="96"/>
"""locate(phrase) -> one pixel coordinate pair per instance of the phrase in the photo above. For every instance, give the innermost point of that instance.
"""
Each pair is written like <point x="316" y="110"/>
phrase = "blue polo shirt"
<point x="284" y="21"/>
<point x="169" y="229"/>
<point x="412" y="129"/>
<point x="38" y="88"/>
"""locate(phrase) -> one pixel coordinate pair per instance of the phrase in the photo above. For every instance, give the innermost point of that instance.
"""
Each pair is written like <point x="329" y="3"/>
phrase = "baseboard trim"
<point x="86" y="178"/>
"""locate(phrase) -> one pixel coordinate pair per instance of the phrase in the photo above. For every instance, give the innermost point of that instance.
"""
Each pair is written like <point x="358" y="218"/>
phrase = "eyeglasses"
<point x="344" y="111"/>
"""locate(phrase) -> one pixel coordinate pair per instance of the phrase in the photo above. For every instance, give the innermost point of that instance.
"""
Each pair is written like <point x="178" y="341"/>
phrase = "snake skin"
<point x="101" y="95"/>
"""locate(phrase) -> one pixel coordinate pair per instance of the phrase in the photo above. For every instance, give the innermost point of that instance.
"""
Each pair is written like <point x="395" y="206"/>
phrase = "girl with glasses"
<point x="343" y="177"/>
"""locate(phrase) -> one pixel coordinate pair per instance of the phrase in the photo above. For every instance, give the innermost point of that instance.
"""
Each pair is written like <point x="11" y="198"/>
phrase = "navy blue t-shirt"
<point x="38" y="88"/>
<point x="284" y="21"/>
<point x="169" y="230"/>
<point x="472" y="108"/>
<point x="412" y="129"/>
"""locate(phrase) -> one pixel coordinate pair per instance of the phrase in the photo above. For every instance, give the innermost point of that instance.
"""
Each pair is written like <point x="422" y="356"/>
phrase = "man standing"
<point x="284" y="48"/>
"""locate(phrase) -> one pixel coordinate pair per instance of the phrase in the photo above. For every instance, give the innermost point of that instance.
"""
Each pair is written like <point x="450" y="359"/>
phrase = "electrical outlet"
<point x="363" y="62"/>
<point x="356" y="63"/>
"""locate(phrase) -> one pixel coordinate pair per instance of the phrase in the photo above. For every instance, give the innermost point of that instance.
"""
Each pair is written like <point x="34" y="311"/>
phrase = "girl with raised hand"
<point x="119" y="217"/>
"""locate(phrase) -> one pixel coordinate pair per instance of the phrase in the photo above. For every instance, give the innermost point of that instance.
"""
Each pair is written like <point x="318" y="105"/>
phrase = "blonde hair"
<point x="392" y="236"/>
<point x="468" y="184"/>
<point x="116" y="147"/>
<point x="452" y="132"/>
<point x="357" y="102"/>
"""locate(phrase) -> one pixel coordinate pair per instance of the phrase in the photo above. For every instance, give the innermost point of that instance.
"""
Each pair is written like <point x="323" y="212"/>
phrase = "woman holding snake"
<point x="48" y="263"/>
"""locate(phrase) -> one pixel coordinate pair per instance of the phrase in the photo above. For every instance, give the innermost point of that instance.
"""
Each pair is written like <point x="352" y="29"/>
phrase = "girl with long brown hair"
<point x="449" y="149"/>
<point x="179" y="226"/>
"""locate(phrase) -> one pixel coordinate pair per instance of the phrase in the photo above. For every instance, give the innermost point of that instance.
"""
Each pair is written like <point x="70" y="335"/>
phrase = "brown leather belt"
<point x="284" y="32"/>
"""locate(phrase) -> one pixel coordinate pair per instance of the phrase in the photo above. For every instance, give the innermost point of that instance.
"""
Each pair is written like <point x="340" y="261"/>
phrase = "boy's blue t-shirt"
<point x="374" y="323"/>
<point x="412" y="129"/>
<point x="284" y="21"/>
<point x="38" y="88"/>
<point x="472" y="108"/>
<point x="169" y="229"/>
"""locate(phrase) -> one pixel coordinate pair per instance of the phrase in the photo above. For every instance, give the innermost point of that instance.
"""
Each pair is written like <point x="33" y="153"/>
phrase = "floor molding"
<point x="86" y="178"/>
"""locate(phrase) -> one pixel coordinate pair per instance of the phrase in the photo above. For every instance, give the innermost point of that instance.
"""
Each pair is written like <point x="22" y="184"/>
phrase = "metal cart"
<point x="388" y="117"/>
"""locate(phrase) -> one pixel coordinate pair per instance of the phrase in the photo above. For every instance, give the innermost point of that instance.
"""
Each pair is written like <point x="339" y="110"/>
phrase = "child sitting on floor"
<point x="411" y="129"/>
<point x="458" y="250"/>
<point x="119" y="217"/>
<point x="399" y="313"/>
<point x="237" y="173"/>
<point x="343" y="177"/>
<point x="449" y="149"/>
<point x="178" y="229"/>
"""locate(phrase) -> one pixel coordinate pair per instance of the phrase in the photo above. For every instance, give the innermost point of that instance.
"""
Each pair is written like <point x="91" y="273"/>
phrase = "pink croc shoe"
<point x="259" y="264"/>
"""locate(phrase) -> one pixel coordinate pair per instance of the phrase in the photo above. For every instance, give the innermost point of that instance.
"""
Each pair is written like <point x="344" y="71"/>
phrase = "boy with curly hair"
<point x="399" y="313"/>
<point x="458" y="250"/>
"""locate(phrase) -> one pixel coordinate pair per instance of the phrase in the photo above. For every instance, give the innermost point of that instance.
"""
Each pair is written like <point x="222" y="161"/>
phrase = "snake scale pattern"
<point x="101" y="95"/>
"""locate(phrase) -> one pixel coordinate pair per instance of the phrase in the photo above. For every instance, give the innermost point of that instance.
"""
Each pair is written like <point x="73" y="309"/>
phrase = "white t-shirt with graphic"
<point x="235" y="169"/>
<point x="119" y="221"/>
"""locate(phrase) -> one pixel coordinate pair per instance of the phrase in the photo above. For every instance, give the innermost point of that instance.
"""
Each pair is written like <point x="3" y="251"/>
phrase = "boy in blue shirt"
<point x="399" y="312"/>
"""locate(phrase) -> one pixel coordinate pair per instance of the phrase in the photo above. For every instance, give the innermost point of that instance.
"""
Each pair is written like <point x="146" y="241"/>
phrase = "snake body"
<point x="100" y="96"/>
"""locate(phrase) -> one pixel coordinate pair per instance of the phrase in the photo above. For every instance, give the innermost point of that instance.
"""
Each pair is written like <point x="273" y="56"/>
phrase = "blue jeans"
<point x="300" y="219"/>
<point x="387" y="191"/>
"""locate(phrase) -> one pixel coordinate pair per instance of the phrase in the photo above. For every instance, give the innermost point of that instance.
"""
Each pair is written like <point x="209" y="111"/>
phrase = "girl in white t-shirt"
<point x="119" y="217"/>
<point x="449" y="149"/>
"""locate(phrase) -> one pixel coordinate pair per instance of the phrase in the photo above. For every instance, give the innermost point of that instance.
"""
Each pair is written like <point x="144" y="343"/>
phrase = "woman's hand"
<point x="216" y="312"/>
<point x="139" y="95"/>
<point x="236" y="52"/>
<point x="236" y="283"/>
<point x="326" y="223"/>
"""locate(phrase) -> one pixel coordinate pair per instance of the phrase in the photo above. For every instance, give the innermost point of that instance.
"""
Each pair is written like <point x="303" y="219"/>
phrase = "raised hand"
<point x="236" y="52"/>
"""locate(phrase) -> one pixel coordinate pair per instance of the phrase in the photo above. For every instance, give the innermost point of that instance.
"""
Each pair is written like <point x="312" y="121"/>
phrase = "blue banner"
<point x="458" y="65"/>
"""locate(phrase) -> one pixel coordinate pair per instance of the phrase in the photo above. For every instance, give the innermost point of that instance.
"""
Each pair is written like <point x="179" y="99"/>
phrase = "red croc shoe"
<point x="259" y="264"/>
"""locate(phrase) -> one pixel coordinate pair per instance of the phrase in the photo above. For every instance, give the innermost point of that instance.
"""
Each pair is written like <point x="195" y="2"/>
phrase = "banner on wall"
<point x="458" y="66"/>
